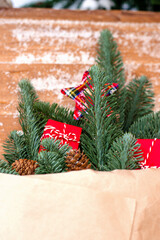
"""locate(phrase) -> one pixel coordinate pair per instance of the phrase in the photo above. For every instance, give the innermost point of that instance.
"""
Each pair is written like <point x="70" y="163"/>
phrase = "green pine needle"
<point x="124" y="153"/>
<point x="104" y="120"/>
<point x="6" y="168"/>
<point x="52" y="159"/>
<point x="147" y="126"/>
<point x="139" y="101"/>
<point x="101" y="127"/>
<point x="31" y="124"/>
<point x="55" y="112"/>
<point x="49" y="162"/>
<point x="109" y="59"/>
<point x="15" y="147"/>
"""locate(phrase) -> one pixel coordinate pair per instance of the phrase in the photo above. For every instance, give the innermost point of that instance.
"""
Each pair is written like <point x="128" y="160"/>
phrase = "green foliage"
<point x="31" y="125"/>
<point x="6" y="168"/>
<point x="58" y="113"/>
<point x="105" y="120"/>
<point x="101" y="127"/>
<point x="136" y="99"/>
<point x="15" y="147"/>
<point x="52" y="160"/>
<point x="109" y="58"/>
<point x="124" y="153"/>
<point x="138" y="102"/>
<point x="147" y="126"/>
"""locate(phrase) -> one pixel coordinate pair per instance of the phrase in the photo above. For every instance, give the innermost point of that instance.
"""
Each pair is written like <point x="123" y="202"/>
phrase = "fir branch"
<point x="31" y="125"/>
<point x="109" y="58"/>
<point x="55" y="112"/>
<point x="53" y="145"/>
<point x="147" y="126"/>
<point x="52" y="160"/>
<point x="14" y="147"/>
<point x="49" y="162"/>
<point x="5" y="167"/>
<point x="139" y="101"/>
<point x="124" y="153"/>
<point x="101" y="124"/>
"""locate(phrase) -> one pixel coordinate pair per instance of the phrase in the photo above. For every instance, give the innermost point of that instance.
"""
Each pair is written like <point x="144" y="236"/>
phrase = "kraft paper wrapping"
<point x="117" y="205"/>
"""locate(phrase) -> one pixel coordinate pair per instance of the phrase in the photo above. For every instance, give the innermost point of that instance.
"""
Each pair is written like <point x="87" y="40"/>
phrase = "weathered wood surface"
<point x="52" y="48"/>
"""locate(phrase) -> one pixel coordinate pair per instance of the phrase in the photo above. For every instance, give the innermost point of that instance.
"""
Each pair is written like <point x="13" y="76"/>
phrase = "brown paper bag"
<point x="79" y="205"/>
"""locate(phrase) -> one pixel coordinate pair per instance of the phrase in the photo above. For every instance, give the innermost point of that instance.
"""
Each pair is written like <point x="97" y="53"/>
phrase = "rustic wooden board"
<point x="52" y="48"/>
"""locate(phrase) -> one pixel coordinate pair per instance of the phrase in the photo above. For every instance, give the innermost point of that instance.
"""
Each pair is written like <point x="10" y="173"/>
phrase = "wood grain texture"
<point x="52" y="48"/>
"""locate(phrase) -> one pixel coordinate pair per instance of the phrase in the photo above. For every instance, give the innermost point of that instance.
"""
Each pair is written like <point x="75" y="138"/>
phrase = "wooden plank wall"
<point x="52" y="48"/>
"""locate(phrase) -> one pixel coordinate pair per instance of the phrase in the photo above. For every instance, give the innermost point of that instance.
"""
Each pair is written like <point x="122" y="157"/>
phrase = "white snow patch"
<point x="56" y="58"/>
<point x="130" y="68"/>
<point x="16" y="114"/>
<point x="52" y="34"/>
<point x="25" y="58"/>
<point x="49" y="83"/>
<point x="53" y="83"/>
<point x="155" y="81"/>
<point x="63" y="23"/>
<point x="11" y="103"/>
<point x="153" y="67"/>
<point x="47" y="32"/>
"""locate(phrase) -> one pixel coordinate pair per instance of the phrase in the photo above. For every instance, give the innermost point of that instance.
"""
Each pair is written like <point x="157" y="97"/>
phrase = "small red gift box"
<point x="151" y="153"/>
<point x="61" y="131"/>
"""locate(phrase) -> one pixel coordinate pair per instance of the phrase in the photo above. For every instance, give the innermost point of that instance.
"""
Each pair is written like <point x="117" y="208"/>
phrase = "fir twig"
<point x="139" y="101"/>
<point x="101" y="126"/>
<point x="147" y="126"/>
<point x="6" y="168"/>
<point x="52" y="159"/>
<point x="58" y="113"/>
<point x="109" y="59"/>
<point x="31" y="125"/>
<point x="14" y="147"/>
<point x="124" y="153"/>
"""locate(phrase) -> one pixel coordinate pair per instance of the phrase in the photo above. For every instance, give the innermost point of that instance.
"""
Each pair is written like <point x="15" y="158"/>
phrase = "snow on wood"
<point x="54" y="52"/>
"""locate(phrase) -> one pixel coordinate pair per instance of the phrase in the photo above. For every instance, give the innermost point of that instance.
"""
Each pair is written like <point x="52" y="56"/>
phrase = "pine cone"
<point x="25" y="166"/>
<point x="76" y="160"/>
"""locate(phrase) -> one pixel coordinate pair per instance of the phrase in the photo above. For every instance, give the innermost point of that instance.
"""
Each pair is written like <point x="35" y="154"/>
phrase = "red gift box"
<point x="151" y="153"/>
<point x="61" y="131"/>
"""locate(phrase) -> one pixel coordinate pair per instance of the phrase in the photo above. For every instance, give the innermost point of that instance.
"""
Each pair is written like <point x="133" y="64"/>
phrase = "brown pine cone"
<point x="75" y="160"/>
<point x="25" y="166"/>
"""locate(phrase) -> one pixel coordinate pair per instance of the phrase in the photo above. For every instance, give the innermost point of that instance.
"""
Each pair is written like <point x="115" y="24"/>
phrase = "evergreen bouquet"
<point x="110" y="123"/>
